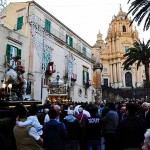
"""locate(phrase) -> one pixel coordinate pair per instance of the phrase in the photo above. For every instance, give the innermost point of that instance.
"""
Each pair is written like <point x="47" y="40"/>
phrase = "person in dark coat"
<point x="109" y="126"/>
<point x="73" y="130"/>
<point x="130" y="131"/>
<point x="145" y="113"/>
<point x="54" y="133"/>
<point x="93" y="130"/>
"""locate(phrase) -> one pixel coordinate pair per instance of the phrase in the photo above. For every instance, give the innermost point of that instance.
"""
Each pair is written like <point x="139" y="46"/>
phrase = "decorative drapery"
<point x="42" y="43"/>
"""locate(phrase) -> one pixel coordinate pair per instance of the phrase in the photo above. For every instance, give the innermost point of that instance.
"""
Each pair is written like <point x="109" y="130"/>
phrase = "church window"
<point x="128" y="79"/>
<point x="126" y="49"/>
<point x="124" y="28"/>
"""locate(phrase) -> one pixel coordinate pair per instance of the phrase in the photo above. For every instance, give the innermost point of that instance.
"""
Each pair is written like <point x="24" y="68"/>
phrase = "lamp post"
<point x="57" y="78"/>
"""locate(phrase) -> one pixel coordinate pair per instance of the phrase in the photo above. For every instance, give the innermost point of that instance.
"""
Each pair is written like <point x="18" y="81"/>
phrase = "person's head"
<point x="46" y="110"/>
<point x="146" y="145"/>
<point x="131" y="109"/>
<point x="21" y="111"/>
<point x="33" y="110"/>
<point x="123" y="109"/>
<point x="57" y="108"/>
<point x="80" y="110"/>
<point x="71" y="107"/>
<point x="111" y="106"/>
<point x="53" y="113"/>
<point x="145" y="106"/>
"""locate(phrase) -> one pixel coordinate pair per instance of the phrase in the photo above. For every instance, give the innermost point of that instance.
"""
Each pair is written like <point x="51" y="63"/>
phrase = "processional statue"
<point x="15" y="75"/>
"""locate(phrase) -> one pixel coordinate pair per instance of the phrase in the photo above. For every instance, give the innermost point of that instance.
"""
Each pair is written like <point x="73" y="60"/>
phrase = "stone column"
<point x="119" y="72"/>
<point x="111" y="75"/>
<point x="114" y="72"/>
<point x="113" y="45"/>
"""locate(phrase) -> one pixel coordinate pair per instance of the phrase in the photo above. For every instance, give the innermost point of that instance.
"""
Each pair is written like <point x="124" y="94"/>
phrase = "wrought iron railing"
<point x="33" y="19"/>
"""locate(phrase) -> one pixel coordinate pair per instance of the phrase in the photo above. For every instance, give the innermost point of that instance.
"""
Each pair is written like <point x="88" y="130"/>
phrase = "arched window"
<point x="128" y="79"/>
<point x="124" y="28"/>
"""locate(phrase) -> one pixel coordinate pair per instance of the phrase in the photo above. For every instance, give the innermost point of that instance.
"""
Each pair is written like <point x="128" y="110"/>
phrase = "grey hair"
<point x="147" y="138"/>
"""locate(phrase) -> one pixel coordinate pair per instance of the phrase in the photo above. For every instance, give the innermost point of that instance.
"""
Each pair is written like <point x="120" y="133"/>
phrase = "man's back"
<point x="23" y="140"/>
<point x="54" y="133"/>
<point x="131" y="131"/>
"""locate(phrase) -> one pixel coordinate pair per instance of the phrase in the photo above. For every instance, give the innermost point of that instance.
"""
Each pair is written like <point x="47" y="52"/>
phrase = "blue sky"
<point x="87" y="17"/>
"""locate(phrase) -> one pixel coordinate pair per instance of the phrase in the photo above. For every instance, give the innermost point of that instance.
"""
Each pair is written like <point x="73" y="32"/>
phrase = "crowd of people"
<point x="80" y="126"/>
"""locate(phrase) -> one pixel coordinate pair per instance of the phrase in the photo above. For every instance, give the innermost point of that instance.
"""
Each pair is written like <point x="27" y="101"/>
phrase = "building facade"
<point x="13" y="45"/>
<point x="59" y="63"/>
<point x="119" y="38"/>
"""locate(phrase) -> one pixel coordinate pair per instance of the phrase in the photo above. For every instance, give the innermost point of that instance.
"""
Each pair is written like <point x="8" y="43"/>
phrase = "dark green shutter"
<point x="19" y="52"/>
<point x="87" y="77"/>
<point x="83" y="78"/>
<point x="71" y="42"/>
<point x="8" y="52"/>
<point x="84" y="51"/>
<point x="47" y="25"/>
<point x="19" y="22"/>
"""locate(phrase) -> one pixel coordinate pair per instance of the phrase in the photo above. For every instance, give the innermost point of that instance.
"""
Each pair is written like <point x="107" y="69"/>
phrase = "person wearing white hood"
<point x="84" y="111"/>
<point x="73" y="130"/>
<point x="70" y="117"/>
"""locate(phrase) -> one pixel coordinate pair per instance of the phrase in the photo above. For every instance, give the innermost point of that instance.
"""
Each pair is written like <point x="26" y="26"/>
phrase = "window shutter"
<point x="19" y="52"/>
<point x="8" y="52"/>
<point x="28" y="90"/>
<point x="47" y="25"/>
<point x="84" y="51"/>
<point x="87" y="77"/>
<point x="71" y="42"/>
<point x="19" y="22"/>
<point x="83" y="77"/>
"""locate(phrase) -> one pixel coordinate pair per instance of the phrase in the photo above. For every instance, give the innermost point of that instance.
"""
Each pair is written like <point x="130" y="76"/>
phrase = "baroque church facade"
<point x="109" y="56"/>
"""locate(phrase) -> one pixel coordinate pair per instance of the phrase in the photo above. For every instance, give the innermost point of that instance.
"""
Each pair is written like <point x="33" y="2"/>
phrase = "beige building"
<point x="14" y="44"/>
<point x="59" y="63"/>
<point x="119" y="38"/>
